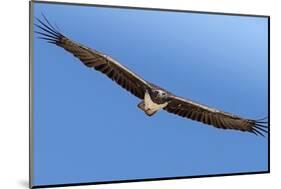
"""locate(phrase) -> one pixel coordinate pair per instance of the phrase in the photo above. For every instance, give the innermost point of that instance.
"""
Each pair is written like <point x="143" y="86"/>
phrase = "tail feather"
<point x="148" y="112"/>
<point x="141" y="106"/>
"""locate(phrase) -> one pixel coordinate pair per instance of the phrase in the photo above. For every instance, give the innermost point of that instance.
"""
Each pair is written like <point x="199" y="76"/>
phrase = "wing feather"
<point x="94" y="59"/>
<point x="198" y="112"/>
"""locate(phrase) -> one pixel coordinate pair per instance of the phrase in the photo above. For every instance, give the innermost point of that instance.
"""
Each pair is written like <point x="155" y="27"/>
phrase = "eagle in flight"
<point x="153" y="98"/>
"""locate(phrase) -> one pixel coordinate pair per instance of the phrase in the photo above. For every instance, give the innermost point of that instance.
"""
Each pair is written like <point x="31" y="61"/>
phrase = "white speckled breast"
<point x="150" y="105"/>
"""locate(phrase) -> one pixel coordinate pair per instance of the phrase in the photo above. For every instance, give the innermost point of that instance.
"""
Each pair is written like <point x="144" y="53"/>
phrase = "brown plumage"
<point x="210" y="116"/>
<point x="158" y="97"/>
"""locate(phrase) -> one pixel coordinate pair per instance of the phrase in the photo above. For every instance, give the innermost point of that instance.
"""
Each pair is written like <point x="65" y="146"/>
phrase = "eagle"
<point x="153" y="98"/>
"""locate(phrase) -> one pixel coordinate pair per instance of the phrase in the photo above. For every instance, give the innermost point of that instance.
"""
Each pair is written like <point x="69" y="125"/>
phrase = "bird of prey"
<point x="153" y="98"/>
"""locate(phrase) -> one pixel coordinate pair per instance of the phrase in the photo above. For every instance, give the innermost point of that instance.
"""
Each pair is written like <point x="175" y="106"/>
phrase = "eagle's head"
<point x="159" y="96"/>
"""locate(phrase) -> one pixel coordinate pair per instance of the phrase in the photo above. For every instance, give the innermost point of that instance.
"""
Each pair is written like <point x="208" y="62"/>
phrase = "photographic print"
<point x="123" y="94"/>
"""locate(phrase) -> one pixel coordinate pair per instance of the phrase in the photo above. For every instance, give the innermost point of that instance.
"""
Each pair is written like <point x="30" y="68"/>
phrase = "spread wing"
<point x="94" y="59"/>
<point x="211" y="116"/>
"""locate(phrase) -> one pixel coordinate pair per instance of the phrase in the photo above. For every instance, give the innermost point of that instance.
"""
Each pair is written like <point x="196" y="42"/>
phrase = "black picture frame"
<point x="131" y="180"/>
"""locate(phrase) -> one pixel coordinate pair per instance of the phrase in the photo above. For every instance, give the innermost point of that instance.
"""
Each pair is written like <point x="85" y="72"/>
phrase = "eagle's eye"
<point x="161" y="93"/>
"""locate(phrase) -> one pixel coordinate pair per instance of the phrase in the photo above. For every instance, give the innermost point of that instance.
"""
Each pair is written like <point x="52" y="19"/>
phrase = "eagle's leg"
<point x="148" y="111"/>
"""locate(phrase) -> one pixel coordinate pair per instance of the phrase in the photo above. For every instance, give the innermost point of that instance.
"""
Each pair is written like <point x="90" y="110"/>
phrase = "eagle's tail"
<point x="148" y="112"/>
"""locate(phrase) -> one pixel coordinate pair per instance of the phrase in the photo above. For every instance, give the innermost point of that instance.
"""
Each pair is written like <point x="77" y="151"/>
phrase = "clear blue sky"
<point x="87" y="128"/>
